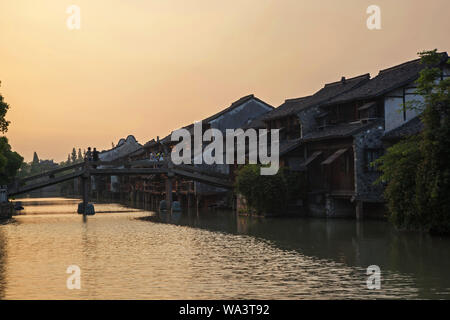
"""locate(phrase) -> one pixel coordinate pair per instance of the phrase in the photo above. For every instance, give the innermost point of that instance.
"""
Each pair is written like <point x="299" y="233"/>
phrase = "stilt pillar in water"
<point x="170" y="176"/>
<point x="85" y="193"/>
<point x="169" y="193"/>
<point x="359" y="210"/>
<point x="85" y="182"/>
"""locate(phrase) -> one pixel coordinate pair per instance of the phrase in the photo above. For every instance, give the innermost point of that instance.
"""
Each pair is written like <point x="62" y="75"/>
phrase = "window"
<point x="370" y="155"/>
<point x="368" y="111"/>
<point x="345" y="163"/>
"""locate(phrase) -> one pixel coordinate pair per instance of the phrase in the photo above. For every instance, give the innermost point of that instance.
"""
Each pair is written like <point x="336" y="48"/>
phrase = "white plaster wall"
<point x="446" y="71"/>
<point x="393" y="107"/>
<point x="393" y="116"/>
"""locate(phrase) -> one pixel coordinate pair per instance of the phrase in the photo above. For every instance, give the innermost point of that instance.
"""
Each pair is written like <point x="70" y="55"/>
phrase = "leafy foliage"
<point x="10" y="162"/>
<point x="4" y="107"/>
<point x="399" y="166"/>
<point x="268" y="194"/>
<point x="433" y="173"/>
<point x="417" y="170"/>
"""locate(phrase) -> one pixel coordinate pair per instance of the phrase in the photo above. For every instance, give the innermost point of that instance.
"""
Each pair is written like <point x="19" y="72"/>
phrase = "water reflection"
<point x="133" y="254"/>
<point x="2" y="263"/>
<point x="422" y="258"/>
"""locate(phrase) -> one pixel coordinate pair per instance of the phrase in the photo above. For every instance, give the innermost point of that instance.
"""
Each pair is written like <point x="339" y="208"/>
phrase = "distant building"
<point x="238" y="115"/>
<point x="121" y="151"/>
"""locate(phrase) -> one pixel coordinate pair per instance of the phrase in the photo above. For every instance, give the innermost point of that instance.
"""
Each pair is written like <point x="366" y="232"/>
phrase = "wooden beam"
<point x="126" y="171"/>
<point x="51" y="172"/>
<point x="192" y="168"/>
<point x="204" y="178"/>
<point x="31" y="187"/>
<point x="136" y="163"/>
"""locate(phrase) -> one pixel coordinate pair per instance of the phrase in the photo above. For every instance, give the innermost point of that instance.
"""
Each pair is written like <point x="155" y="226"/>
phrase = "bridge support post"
<point x="169" y="179"/>
<point x="85" y="187"/>
<point x="359" y="210"/>
<point x="85" y="182"/>
<point x="169" y="193"/>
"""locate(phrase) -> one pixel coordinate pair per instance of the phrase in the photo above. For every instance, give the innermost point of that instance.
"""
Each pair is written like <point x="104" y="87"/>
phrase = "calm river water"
<point x="127" y="253"/>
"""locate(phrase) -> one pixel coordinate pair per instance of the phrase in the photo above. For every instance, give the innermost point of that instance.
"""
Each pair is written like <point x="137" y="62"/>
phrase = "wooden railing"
<point x="116" y="168"/>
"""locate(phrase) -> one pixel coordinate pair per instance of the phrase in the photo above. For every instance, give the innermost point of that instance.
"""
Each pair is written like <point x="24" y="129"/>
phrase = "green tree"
<point x="433" y="172"/>
<point x="73" y="157"/>
<point x="10" y="162"/>
<point x="246" y="180"/>
<point x="4" y="107"/>
<point x="80" y="155"/>
<point x="269" y="194"/>
<point x="417" y="170"/>
<point x="25" y="170"/>
<point x="399" y="166"/>
<point x="35" y="158"/>
<point x="35" y="168"/>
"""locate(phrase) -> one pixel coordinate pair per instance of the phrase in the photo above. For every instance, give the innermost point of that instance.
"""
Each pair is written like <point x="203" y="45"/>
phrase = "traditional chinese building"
<point x="342" y="136"/>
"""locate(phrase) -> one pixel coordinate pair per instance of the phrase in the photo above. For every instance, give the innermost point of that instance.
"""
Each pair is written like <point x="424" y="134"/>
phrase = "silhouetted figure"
<point x="89" y="154"/>
<point x="95" y="156"/>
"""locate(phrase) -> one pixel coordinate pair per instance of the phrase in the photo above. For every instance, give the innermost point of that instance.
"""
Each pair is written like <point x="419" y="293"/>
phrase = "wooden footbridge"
<point x="87" y="169"/>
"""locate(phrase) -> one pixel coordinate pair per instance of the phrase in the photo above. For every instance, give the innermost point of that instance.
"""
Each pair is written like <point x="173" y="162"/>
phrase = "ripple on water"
<point x="123" y="257"/>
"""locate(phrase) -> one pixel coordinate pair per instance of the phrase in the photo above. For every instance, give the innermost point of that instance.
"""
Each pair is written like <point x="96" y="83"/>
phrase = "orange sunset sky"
<point x="146" y="67"/>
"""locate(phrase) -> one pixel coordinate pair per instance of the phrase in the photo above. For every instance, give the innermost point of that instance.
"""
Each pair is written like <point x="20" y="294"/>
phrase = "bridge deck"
<point x="117" y="168"/>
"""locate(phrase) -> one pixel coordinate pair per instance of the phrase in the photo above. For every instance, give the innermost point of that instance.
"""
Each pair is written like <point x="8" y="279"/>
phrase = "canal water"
<point x="128" y="253"/>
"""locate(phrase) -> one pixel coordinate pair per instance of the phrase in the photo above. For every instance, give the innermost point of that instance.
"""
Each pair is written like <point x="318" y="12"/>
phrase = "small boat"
<point x="162" y="206"/>
<point x="18" y="206"/>
<point x="176" y="207"/>
<point x="90" y="210"/>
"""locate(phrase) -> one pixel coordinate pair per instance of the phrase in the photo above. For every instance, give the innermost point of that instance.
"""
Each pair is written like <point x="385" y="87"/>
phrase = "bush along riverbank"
<point x="272" y="195"/>
<point x="416" y="170"/>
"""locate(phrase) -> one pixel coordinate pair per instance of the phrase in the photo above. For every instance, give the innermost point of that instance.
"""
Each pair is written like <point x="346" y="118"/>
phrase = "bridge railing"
<point x="123" y="167"/>
<point x="126" y="164"/>
<point x="51" y="172"/>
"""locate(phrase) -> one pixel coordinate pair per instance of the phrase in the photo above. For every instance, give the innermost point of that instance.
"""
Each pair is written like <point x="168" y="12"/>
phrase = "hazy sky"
<point x="146" y="67"/>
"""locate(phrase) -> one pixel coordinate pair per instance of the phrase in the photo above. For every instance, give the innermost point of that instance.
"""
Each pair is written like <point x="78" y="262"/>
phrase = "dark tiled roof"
<point x="234" y="105"/>
<point x="138" y="152"/>
<point x="287" y="108"/>
<point x="410" y="128"/>
<point x="289" y="145"/>
<point x="257" y="123"/>
<point x="328" y="92"/>
<point x="387" y="80"/>
<point x="150" y="143"/>
<point x="340" y="130"/>
<point x="123" y="148"/>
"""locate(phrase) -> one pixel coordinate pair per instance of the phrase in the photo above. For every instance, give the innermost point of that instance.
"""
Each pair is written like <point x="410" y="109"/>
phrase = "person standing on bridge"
<point x="95" y="156"/>
<point x="89" y="154"/>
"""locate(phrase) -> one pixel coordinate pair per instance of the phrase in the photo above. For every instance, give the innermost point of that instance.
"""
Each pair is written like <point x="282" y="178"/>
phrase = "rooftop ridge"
<point x="360" y="77"/>
<point x="398" y="66"/>
<point x="443" y="54"/>
<point x="297" y="99"/>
